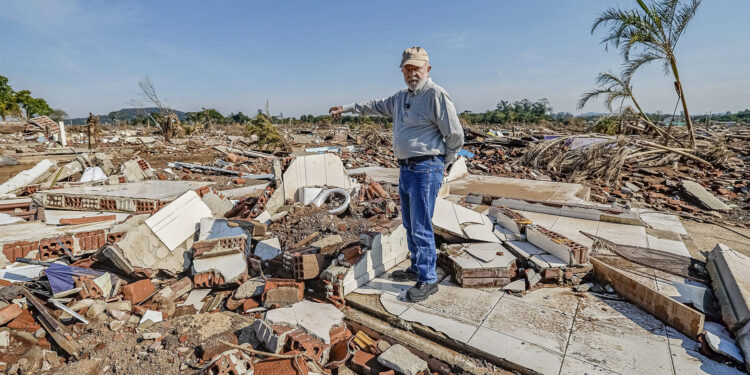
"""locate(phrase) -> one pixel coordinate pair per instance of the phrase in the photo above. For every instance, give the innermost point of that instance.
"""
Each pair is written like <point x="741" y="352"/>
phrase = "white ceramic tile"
<point x="633" y="235"/>
<point x="545" y="220"/>
<point x="572" y="227"/>
<point x="538" y="325"/>
<point x="573" y="366"/>
<point x="621" y="347"/>
<point x="449" y="325"/>
<point x="465" y="304"/>
<point x="516" y="351"/>
<point x="395" y="305"/>
<point x="662" y="221"/>
<point x="670" y="246"/>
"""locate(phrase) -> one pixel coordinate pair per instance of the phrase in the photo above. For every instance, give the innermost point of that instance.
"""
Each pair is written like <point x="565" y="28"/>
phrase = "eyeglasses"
<point x="411" y="68"/>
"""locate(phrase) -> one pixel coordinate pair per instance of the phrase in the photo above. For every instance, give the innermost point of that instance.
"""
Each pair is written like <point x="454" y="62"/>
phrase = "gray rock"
<point x="250" y="288"/>
<point x="633" y="187"/>
<point x="6" y="160"/>
<point x="700" y="194"/>
<point x="400" y="359"/>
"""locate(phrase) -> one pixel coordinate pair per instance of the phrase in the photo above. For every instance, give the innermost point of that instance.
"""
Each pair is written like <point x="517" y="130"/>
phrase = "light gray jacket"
<point x="424" y="122"/>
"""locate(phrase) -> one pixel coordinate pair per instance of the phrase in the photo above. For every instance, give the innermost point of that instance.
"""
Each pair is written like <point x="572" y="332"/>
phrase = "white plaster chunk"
<point x="230" y="266"/>
<point x="316" y="319"/>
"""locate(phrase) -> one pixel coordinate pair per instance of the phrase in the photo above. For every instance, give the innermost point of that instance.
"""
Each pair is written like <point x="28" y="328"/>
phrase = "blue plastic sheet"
<point x="465" y="154"/>
<point x="61" y="276"/>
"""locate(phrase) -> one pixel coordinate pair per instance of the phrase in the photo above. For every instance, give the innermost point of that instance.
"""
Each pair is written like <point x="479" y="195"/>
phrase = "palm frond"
<point x="682" y="18"/>
<point x="639" y="61"/>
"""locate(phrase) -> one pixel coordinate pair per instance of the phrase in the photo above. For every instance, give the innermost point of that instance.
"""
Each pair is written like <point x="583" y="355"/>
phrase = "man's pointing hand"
<point x="336" y="111"/>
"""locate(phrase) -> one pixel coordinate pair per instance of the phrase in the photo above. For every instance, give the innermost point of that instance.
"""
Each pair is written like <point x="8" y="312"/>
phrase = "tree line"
<point x="21" y="104"/>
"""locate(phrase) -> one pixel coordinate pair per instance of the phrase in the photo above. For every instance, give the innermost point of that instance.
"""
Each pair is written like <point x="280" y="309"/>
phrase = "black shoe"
<point x="404" y="275"/>
<point x="420" y="291"/>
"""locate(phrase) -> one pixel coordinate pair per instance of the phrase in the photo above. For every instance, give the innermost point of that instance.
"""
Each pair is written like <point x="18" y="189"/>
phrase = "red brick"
<point x="138" y="291"/>
<point x="9" y="313"/>
<point x="280" y="367"/>
<point x="86" y="219"/>
<point x="23" y="321"/>
<point x="249" y="303"/>
<point x="239" y="181"/>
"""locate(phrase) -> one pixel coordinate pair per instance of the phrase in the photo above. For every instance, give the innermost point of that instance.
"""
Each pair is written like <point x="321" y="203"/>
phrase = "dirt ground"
<point x="706" y="236"/>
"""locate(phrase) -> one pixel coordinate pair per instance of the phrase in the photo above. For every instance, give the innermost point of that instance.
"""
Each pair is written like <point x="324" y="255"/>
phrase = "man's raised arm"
<point x="376" y="107"/>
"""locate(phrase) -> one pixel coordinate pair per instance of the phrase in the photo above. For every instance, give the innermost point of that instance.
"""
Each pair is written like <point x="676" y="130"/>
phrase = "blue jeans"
<point x="418" y="187"/>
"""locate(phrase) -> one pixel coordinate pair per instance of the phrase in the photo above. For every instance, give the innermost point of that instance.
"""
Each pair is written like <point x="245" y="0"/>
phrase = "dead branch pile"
<point x="372" y="135"/>
<point x="269" y="135"/>
<point x="604" y="157"/>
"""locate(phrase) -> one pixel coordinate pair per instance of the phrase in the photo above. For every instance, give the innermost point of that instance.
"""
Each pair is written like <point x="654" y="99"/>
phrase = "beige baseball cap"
<point x="416" y="56"/>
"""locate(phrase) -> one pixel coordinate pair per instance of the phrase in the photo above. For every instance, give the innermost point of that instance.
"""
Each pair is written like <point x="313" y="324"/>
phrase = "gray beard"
<point x="418" y="86"/>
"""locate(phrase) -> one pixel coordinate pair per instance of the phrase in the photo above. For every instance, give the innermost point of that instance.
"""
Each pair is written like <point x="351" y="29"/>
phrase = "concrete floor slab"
<point x="667" y="245"/>
<point x="521" y="189"/>
<point x="572" y="227"/>
<point x="453" y="327"/>
<point x="573" y="366"/>
<point x="381" y="285"/>
<point x="395" y="305"/>
<point x="559" y="299"/>
<point x="540" y="326"/>
<point x="152" y="189"/>
<point x="545" y="220"/>
<point x="620" y="347"/>
<point x="472" y="305"/>
<point x="623" y="234"/>
<point x="662" y="221"/>
<point x="516" y="351"/>
<point x="688" y="361"/>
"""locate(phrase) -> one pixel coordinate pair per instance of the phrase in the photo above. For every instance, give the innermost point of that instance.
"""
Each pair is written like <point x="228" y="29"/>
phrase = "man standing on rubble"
<point x="426" y="137"/>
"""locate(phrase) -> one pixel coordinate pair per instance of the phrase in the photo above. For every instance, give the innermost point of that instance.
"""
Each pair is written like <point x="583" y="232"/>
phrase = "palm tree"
<point x="613" y="88"/>
<point x="648" y="34"/>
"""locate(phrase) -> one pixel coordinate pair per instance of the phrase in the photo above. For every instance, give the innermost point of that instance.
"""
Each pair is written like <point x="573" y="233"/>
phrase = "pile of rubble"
<point x="221" y="259"/>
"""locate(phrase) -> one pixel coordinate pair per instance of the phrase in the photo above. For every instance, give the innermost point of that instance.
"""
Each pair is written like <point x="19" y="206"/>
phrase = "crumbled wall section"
<point x="557" y="245"/>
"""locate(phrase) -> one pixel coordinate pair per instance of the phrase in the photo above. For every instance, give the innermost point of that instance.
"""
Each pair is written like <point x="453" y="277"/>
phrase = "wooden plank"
<point x="675" y="314"/>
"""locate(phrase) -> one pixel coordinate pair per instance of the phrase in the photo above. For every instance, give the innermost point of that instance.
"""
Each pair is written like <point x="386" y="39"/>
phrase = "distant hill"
<point x="591" y="114"/>
<point x="125" y="114"/>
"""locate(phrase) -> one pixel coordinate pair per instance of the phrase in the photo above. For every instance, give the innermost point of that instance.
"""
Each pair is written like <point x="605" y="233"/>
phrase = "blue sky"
<point x="305" y="56"/>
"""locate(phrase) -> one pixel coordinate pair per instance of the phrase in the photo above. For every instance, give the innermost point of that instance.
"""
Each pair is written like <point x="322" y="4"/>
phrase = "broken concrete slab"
<point x="459" y="221"/>
<point x="142" y="248"/>
<point x="136" y="169"/>
<point x="724" y="347"/>
<point x="218" y="205"/>
<point x="730" y="278"/>
<point x="139" y="197"/>
<point x="400" y="359"/>
<point x="514" y="188"/>
<point x="480" y="264"/>
<point x="178" y="220"/>
<point x="700" y="194"/>
<point x="32" y="176"/>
